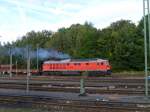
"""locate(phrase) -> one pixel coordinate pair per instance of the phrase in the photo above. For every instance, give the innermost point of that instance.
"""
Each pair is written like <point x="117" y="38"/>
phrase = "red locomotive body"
<point x="93" y="65"/>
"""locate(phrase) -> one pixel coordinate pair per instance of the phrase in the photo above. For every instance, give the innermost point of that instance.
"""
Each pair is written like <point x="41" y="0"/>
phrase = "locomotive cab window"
<point x="87" y="63"/>
<point x="102" y="63"/>
<point x="78" y="63"/>
<point x="75" y="63"/>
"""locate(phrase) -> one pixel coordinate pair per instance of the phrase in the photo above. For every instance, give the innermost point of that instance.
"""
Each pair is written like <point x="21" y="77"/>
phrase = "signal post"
<point x="82" y="83"/>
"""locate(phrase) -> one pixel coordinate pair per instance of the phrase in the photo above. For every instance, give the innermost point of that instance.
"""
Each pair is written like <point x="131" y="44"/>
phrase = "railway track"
<point x="75" y="89"/>
<point x="75" y="83"/>
<point x="47" y="102"/>
<point x="76" y="78"/>
<point x="72" y="84"/>
<point x="94" y="86"/>
<point x="126" y="83"/>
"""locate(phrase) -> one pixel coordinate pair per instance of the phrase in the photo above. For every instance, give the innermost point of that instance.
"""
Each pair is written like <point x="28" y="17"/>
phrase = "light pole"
<point x="16" y="67"/>
<point x="146" y="38"/>
<point x="28" y="69"/>
<point x="37" y="55"/>
<point x="0" y="41"/>
<point x="10" y="73"/>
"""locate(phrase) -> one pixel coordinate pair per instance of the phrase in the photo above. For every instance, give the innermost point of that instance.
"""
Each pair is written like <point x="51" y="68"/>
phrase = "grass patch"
<point x="14" y="110"/>
<point x="20" y="110"/>
<point x="129" y="74"/>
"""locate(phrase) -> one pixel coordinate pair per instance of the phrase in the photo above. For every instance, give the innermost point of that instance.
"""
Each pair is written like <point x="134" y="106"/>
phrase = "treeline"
<point x="122" y="43"/>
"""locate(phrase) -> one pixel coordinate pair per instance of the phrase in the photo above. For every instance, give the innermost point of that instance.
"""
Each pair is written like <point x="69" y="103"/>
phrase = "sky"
<point x="17" y="17"/>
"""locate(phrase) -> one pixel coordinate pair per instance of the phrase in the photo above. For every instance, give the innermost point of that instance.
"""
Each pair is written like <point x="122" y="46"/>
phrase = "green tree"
<point x="119" y="44"/>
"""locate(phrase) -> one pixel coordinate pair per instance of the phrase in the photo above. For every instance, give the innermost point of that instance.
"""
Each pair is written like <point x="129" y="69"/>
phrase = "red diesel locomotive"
<point x="92" y="66"/>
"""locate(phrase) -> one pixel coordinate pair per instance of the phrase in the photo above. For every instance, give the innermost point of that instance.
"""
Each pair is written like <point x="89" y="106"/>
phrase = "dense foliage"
<point x="121" y="43"/>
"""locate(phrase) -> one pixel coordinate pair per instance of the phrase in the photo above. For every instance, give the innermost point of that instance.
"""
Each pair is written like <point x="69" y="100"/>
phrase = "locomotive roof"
<point x="93" y="59"/>
<point x="75" y="60"/>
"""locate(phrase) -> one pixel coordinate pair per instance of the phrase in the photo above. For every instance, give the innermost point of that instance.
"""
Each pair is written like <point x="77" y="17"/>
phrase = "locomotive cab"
<point x="104" y="66"/>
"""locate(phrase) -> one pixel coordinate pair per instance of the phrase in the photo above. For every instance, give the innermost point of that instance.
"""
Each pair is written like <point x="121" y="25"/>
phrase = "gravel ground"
<point x="4" y="109"/>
